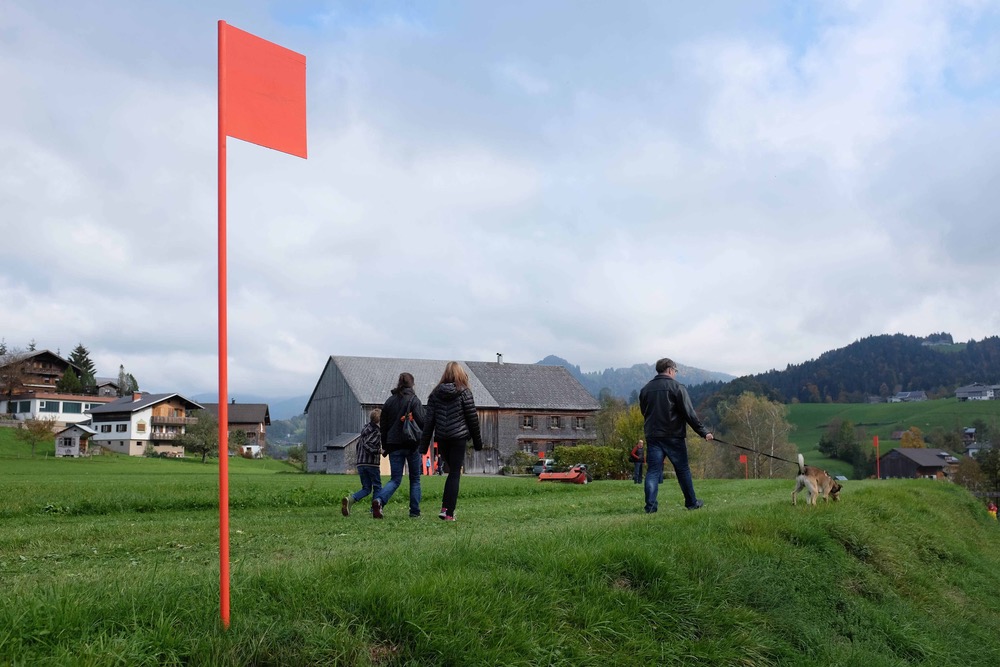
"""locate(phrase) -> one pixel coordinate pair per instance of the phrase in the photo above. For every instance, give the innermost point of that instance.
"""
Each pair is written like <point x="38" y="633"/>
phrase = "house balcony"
<point x="174" y="421"/>
<point x="164" y="435"/>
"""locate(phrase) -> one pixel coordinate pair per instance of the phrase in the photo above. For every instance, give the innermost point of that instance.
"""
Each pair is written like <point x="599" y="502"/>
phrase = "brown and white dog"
<point x="816" y="482"/>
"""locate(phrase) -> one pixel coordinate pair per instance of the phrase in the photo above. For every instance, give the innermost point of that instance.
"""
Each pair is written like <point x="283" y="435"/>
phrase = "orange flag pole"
<point x="262" y="99"/>
<point x="223" y="348"/>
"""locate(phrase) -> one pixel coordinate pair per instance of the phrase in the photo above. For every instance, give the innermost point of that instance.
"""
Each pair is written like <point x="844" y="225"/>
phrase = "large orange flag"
<point x="265" y="92"/>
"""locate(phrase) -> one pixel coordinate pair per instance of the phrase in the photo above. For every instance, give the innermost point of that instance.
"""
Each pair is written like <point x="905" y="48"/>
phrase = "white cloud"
<point x="738" y="193"/>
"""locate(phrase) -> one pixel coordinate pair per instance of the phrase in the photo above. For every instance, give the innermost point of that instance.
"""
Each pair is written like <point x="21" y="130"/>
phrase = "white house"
<point x="132" y="423"/>
<point x="73" y="440"/>
<point x="60" y="408"/>
<point x="976" y="392"/>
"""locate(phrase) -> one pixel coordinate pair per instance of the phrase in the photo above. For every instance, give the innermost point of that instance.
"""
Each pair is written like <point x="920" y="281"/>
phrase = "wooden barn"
<point x="522" y="407"/>
<point x="910" y="463"/>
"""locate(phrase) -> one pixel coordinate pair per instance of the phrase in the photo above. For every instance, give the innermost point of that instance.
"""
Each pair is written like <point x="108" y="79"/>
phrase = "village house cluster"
<point x="137" y="424"/>
<point x="529" y="408"/>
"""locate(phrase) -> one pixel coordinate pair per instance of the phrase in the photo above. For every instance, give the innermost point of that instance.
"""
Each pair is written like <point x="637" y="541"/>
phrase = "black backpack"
<point x="411" y="430"/>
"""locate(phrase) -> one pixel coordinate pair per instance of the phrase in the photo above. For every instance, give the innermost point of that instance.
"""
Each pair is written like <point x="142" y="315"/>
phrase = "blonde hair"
<point x="375" y="415"/>
<point x="455" y="374"/>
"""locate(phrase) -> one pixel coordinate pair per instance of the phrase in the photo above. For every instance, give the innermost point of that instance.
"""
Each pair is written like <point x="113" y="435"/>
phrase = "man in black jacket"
<point x="667" y="410"/>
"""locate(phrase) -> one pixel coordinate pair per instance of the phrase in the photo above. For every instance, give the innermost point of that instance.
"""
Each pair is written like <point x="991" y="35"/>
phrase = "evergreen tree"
<point x="69" y="383"/>
<point x="80" y="357"/>
<point x="126" y="382"/>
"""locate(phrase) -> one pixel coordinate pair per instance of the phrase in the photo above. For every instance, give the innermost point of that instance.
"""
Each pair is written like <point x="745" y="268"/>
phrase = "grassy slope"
<point x="881" y="419"/>
<point x="114" y="561"/>
<point x="12" y="447"/>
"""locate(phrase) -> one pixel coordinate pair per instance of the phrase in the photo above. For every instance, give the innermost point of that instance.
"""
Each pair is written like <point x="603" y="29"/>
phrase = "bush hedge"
<point x="602" y="462"/>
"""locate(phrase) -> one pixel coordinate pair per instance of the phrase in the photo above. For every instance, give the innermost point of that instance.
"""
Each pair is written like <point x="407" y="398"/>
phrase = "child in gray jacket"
<point x="367" y="462"/>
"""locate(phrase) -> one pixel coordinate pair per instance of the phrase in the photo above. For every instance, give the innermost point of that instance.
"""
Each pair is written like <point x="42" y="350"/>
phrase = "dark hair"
<point x="405" y="382"/>
<point x="663" y="364"/>
<point x="375" y="415"/>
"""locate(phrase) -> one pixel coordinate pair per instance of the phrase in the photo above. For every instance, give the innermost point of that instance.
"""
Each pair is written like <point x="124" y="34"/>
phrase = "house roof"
<point x="910" y="394"/>
<point x="341" y="441"/>
<point x="79" y="427"/>
<point x="372" y="378"/>
<point x="243" y="413"/>
<point x="533" y="386"/>
<point x="925" y="458"/>
<point x="493" y="385"/>
<point x="38" y="353"/>
<point x="127" y="404"/>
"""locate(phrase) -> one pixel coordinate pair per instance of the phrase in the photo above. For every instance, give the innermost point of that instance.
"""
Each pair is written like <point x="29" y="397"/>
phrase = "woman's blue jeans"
<point x="396" y="460"/>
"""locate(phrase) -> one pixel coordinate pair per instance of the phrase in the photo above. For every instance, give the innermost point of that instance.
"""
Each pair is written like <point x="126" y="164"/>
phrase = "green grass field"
<point x="114" y="561"/>
<point x="882" y="419"/>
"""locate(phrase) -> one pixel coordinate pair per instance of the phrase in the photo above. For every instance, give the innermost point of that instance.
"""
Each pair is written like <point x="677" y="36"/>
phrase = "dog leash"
<point x="719" y="440"/>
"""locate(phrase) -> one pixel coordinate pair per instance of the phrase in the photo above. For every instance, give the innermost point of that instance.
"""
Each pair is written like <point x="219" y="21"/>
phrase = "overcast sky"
<point x="737" y="185"/>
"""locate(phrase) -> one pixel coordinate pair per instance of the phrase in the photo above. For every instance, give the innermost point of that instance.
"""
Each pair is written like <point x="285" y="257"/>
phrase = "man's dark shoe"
<point x="697" y="505"/>
<point x="377" y="509"/>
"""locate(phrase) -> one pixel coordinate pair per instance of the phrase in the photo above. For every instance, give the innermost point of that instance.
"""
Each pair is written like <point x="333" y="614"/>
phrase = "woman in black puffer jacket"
<point x="451" y="419"/>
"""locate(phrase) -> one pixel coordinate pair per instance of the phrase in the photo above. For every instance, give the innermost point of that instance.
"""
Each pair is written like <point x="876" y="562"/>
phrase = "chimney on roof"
<point x="136" y="395"/>
<point x="499" y="358"/>
<point x="232" y="401"/>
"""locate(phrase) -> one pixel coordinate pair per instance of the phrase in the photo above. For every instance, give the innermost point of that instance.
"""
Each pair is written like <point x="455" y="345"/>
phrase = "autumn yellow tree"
<point x="912" y="438"/>
<point x="762" y="426"/>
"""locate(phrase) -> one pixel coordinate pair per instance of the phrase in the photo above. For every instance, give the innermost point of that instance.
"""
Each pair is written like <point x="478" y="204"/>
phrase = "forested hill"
<point x="875" y="366"/>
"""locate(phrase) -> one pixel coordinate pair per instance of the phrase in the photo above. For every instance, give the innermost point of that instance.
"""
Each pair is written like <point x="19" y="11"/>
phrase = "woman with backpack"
<point x="402" y="407"/>
<point x="451" y="420"/>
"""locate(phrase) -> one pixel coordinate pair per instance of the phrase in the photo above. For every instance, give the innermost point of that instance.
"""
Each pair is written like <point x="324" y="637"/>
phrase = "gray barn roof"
<point x="493" y="385"/>
<point x="372" y="378"/>
<point x="527" y="386"/>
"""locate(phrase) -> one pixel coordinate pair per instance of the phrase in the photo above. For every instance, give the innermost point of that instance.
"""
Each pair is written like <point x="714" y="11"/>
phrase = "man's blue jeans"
<point x="396" y="460"/>
<point x="371" y="482"/>
<point x="675" y="449"/>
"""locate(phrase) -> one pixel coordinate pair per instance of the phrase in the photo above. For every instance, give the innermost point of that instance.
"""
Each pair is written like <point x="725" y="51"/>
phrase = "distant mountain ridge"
<point x="621" y="382"/>
<point x="880" y="365"/>
<point x="933" y="364"/>
<point x="886" y="364"/>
